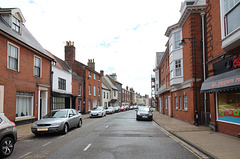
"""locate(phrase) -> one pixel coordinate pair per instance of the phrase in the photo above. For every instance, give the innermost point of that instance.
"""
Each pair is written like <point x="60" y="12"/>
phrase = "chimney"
<point x="102" y="72"/>
<point x="126" y="87"/>
<point x="114" y="76"/>
<point x="70" y="53"/>
<point x="91" y="64"/>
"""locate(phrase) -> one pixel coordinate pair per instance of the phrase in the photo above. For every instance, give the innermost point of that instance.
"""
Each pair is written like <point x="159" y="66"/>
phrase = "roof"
<point x="105" y="87"/>
<point x="25" y="37"/>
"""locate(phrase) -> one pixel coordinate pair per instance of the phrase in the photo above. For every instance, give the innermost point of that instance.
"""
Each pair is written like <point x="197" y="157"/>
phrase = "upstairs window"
<point x="178" y="68"/>
<point x="13" y="56"/>
<point x="79" y="89"/>
<point x="37" y="66"/>
<point x="61" y="84"/>
<point x="177" y="40"/>
<point x="16" y="24"/>
<point x="231" y="15"/>
<point x="89" y="89"/>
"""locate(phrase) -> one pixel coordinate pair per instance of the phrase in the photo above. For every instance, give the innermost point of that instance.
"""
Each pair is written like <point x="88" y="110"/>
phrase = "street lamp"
<point x="183" y="43"/>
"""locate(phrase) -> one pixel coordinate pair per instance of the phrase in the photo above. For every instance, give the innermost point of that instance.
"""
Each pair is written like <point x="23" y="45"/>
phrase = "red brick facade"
<point x="214" y="53"/>
<point x="24" y="79"/>
<point x="92" y="80"/>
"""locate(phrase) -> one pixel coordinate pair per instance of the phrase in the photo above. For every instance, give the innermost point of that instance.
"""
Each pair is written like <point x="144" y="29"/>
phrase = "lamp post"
<point x="183" y="43"/>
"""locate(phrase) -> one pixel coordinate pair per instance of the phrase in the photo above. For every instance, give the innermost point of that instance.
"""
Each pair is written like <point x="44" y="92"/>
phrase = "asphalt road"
<point x="116" y="136"/>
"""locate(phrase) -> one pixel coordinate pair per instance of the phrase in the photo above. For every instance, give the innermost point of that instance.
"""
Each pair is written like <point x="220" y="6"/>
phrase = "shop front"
<point x="225" y="84"/>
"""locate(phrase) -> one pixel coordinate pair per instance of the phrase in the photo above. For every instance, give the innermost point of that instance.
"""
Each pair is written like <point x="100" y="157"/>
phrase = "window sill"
<point x="231" y="41"/>
<point x="185" y="110"/>
<point x="24" y="118"/>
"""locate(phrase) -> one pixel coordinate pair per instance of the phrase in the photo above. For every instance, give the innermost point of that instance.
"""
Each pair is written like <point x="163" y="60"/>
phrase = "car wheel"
<point x="7" y="146"/>
<point x="65" y="129"/>
<point x="79" y="123"/>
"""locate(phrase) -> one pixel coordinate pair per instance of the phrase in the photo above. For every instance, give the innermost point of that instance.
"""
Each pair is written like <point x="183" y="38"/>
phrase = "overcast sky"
<point x="122" y="36"/>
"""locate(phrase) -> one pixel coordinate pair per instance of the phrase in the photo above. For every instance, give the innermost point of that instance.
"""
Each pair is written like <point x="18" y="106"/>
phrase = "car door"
<point x="71" y="119"/>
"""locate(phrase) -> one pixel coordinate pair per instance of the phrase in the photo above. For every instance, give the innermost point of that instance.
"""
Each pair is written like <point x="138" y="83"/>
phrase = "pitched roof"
<point x="25" y="37"/>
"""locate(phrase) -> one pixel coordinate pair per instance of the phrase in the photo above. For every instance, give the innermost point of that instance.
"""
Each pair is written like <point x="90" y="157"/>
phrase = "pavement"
<point x="215" y="144"/>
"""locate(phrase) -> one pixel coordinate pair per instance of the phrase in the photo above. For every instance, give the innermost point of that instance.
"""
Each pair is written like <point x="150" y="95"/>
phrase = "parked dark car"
<point x="60" y="120"/>
<point x="144" y="113"/>
<point x="117" y="109"/>
<point x="8" y="136"/>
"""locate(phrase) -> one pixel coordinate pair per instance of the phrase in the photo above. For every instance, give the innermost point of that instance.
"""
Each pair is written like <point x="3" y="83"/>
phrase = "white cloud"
<point x="122" y="36"/>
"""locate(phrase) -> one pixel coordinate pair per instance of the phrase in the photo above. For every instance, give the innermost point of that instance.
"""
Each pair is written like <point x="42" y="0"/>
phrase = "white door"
<point x="169" y="106"/>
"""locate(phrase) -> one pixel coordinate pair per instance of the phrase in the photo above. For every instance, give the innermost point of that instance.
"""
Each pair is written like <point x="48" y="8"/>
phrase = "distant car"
<point x="126" y="107"/>
<point x="110" y="110"/>
<point x="144" y="113"/>
<point x="131" y="107"/>
<point x="117" y="109"/>
<point x="98" y="112"/>
<point x="60" y="120"/>
<point x="8" y="136"/>
<point x="122" y="108"/>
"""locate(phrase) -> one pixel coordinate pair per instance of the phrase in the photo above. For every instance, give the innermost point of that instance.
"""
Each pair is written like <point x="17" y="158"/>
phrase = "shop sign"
<point x="227" y="64"/>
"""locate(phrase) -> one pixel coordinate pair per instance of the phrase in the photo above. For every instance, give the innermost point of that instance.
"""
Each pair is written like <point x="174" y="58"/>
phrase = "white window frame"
<point x="177" y="40"/>
<point x="178" y="67"/>
<point x="231" y="39"/>
<point x="176" y="102"/>
<point x="15" y="24"/>
<point x="25" y="94"/>
<point x="40" y="71"/>
<point x="185" y="102"/>
<point x="18" y="56"/>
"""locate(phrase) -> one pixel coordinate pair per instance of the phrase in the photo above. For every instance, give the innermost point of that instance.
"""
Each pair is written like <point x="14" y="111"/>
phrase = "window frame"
<point x="79" y="89"/>
<point x="16" y="24"/>
<point x="185" y="104"/>
<point x="61" y="83"/>
<point x="39" y="67"/>
<point x="26" y="95"/>
<point x="178" y="67"/>
<point x="16" y="59"/>
<point x="176" y="102"/>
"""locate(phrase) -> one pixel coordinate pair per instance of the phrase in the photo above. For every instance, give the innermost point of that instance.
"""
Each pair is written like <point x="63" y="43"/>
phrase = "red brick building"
<point x="25" y="78"/>
<point x="180" y="68"/>
<point x="223" y="65"/>
<point x="92" y="86"/>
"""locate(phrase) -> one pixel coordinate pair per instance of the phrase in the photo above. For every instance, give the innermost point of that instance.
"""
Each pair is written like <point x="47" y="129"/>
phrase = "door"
<point x="169" y="106"/>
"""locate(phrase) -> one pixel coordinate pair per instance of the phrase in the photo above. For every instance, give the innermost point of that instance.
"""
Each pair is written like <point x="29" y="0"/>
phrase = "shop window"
<point x="24" y="104"/>
<point x="229" y="106"/>
<point x="58" y="103"/>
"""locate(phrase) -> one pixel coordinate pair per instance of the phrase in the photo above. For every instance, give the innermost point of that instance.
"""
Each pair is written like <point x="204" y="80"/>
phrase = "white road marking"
<point x="46" y="144"/>
<point x="26" y="154"/>
<point x="106" y="126"/>
<point x="88" y="146"/>
<point x="60" y="137"/>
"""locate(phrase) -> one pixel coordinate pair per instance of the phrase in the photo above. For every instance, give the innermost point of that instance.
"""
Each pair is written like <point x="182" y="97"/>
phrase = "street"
<point x="115" y="136"/>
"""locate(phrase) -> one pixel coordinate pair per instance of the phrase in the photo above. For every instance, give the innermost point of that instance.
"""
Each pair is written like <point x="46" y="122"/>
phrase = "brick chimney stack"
<point x="70" y="53"/>
<point x="91" y="64"/>
<point x="102" y="72"/>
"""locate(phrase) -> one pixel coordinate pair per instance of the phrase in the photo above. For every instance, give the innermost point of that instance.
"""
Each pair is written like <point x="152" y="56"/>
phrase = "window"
<point x="89" y="89"/>
<point x="13" y="56"/>
<point x="177" y="40"/>
<point x="104" y="95"/>
<point x="165" y="103"/>
<point x="89" y="74"/>
<point x="180" y="102"/>
<point x="94" y="76"/>
<point x="24" y="104"/>
<point x="79" y="104"/>
<point x="79" y="89"/>
<point x="176" y="103"/>
<point x="185" y="102"/>
<point x="58" y="103"/>
<point x="61" y="84"/>
<point x="107" y="95"/>
<point x="94" y="90"/>
<point x="37" y="66"/>
<point x="89" y="105"/>
<point x="231" y="15"/>
<point x="98" y="78"/>
<point x="178" y="68"/>
<point x="16" y="24"/>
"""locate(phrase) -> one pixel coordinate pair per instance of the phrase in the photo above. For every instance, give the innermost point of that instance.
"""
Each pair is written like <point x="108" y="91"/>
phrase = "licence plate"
<point x="144" y="116"/>
<point x="42" y="129"/>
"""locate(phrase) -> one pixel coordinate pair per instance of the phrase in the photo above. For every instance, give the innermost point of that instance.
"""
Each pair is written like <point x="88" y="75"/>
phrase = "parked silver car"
<point x="8" y="136"/>
<point x="98" y="112"/>
<point x="110" y="110"/>
<point x="60" y="120"/>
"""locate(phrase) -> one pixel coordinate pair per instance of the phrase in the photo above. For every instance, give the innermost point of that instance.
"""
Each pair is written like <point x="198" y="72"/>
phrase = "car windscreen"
<point x="143" y="109"/>
<point x="97" y="108"/>
<point x="57" y="114"/>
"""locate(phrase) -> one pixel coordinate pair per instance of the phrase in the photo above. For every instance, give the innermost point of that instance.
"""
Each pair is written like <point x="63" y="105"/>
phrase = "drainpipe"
<point x="204" y="67"/>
